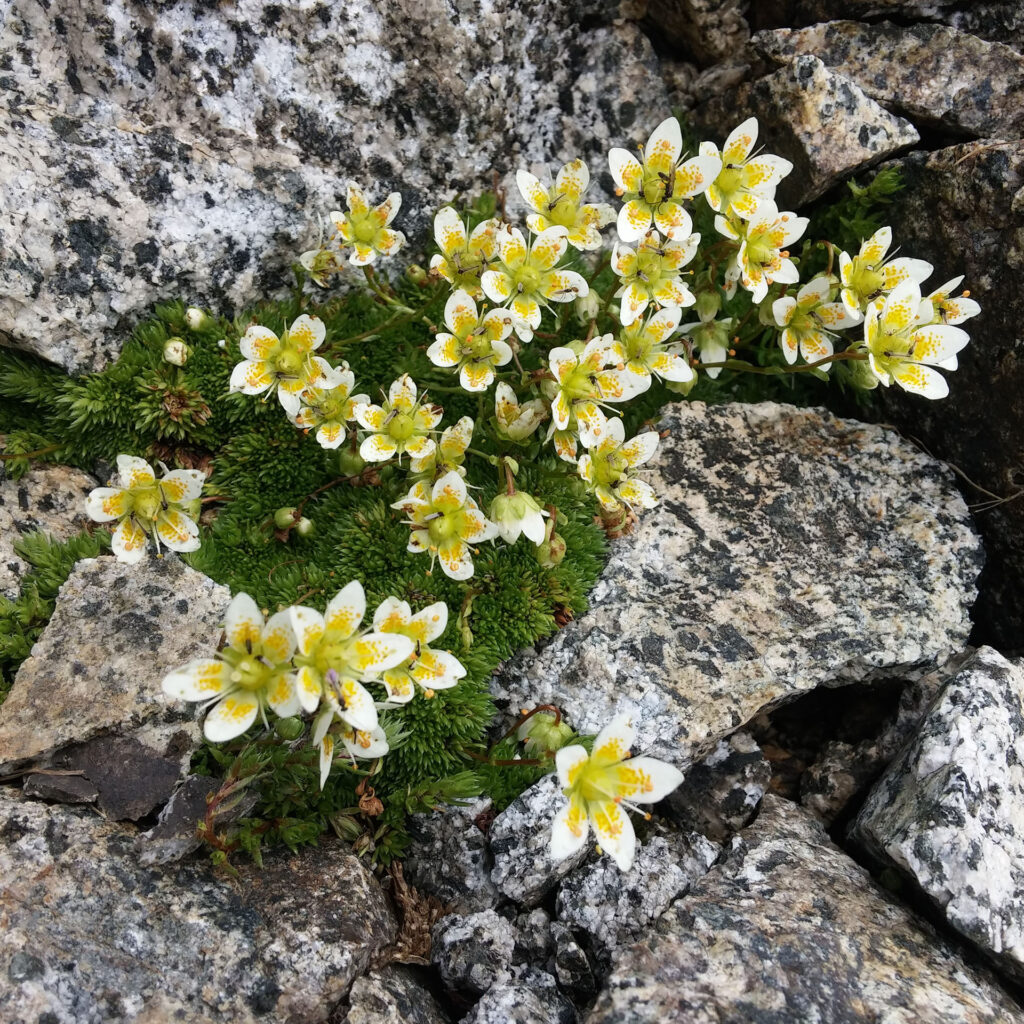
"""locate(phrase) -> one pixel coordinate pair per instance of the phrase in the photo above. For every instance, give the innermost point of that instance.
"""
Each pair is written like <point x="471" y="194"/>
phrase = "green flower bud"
<point x="682" y="387"/>
<point x="284" y="518"/>
<point x="305" y="527"/>
<point x="176" y="352"/>
<point x="587" y="307"/>
<point x="416" y="274"/>
<point x="861" y="376"/>
<point x="350" y="463"/>
<point x="708" y="305"/>
<point x="289" y="728"/>
<point x="551" y="550"/>
<point x="540" y="734"/>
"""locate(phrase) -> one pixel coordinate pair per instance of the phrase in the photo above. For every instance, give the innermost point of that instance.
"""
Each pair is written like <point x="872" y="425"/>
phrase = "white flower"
<point x="868" y="276"/>
<point x="143" y="507"/>
<point x="562" y="206"/>
<point x="366" y="229"/>
<point x="809" y="320"/>
<point x="401" y="425"/>
<point x="743" y="178"/>
<point x="518" y="514"/>
<point x="476" y="344"/>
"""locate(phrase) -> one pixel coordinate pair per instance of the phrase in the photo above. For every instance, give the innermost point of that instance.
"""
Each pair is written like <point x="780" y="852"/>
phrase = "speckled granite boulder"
<point x="935" y="75"/>
<point x="158" y="151"/>
<point x="789" y="928"/>
<point x="393" y="995"/>
<point x="531" y="997"/>
<point x="90" y="936"/>
<point x="520" y="837"/>
<point x="949" y="812"/>
<point x="821" y="121"/>
<point x="720" y="795"/>
<point x="47" y="498"/>
<point x="791" y="549"/>
<point x="116" y="631"/>
<point x="448" y="857"/>
<point x="614" y="907"/>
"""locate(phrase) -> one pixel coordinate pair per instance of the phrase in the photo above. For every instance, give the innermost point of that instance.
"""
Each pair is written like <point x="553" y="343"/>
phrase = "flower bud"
<point x="176" y="352"/>
<point x="551" y="550"/>
<point x="416" y="274"/>
<point x="518" y="513"/>
<point x="350" y="463"/>
<point x="682" y="387"/>
<point x="541" y="735"/>
<point x="708" y="305"/>
<point x="587" y="307"/>
<point x="284" y="518"/>
<point x="305" y="527"/>
<point x="195" y="318"/>
<point x="288" y="728"/>
<point x="861" y="376"/>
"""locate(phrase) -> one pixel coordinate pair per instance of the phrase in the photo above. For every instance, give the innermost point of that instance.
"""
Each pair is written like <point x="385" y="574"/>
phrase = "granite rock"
<point x="935" y="75"/>
<point x="962" y="209"/>
<point x="448" y="857"/>
<point x="115" y="632"/>
<point x="46" y="498"/>
<point x="615" y="908"/>
<point x="711" y="31"/>
<point x="720" y="795"/>
<point x="790" y="929"/>
<point x="473" y="951"/>
<point x="169" y="150"/>
<point x="92" y="936"/>
<point x="573" y="969"/>
<point x="533" y="938"/>
<point x="174" y="835"/>
<point x="949" y="811"/>
<point x="520" y="838"/>
<point x="392" y="995"/>
<point x="790" y="550"/>
<point x="531" y="997"/>
<point x="824" y="123"/>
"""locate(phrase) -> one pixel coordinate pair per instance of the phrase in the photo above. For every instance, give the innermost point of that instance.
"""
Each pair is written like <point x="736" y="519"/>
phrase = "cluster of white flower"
<point x="301" y="662"/>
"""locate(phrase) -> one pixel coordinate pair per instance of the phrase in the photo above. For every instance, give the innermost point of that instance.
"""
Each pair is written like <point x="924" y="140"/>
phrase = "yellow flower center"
<point x="444" y="528"/>
<point x="728" y="181"/>
<point x="147" y="504"/>
<point x="402" y="427"/>
<point x="249" y="673"/>
<point x="365" y="231"/>
<point x="866" y="281"/>
<point x="479" y="346"/>
<point x="526" y="279"/>
<point x="289" y="363"/>
<point x="564" y="213"/>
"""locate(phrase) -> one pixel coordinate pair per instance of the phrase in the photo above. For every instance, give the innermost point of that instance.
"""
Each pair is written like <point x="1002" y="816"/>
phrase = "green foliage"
<point x="23" y="619"/>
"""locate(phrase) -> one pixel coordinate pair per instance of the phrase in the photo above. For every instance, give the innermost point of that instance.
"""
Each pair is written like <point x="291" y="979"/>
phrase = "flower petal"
<point x="613" y="741"/>
<point x="243" y="623"/>
<point x="626" y="170"/>
<point x="569" y="831"/>
<point x="231" y="717"/>
<point x="449" y="231"/>
<point x="134" y="472"/>
<point x="456" y="560"/>
<point x="534" y="194"/>
<point x="567" y="763"/>
<point x="326" y="759"/>
<point x="449" y="493"/>
<point x="308" y="627"/>
<point x="641" y="448"/>
<point x="177" y="531"/>
<point x="436" y="670"/>
<point x="183" y="485"/>
<point x="646" y="780"/>
<point x="664" y="146"/>
<point x="634" y="220"/>
<point x="614" y="832"/>
<point x="307" y="333"/>
<point x="105" y="504"/>
<point x="278" y="637"/>
<point x="377" y="448"/>
<point x="282" y="696"/>
<point x="128" y="542"/>
<point x="200" y="679"/>
<point x="308" y="688"/>
<point x="374" y="652"/>
<point x="346" y="609"/>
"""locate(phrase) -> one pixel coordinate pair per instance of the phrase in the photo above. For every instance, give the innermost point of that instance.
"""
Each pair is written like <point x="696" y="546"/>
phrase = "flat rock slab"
<point x="934" y="74"/>
<point x="790" y="929"/>
<point x="949" y="811"/>
<point x="824" y="123"/>
<point x="790" y="550"/>
<point x="46" y="498"/>
<point x="92" y="937"/>
<point x="116" y="631"/>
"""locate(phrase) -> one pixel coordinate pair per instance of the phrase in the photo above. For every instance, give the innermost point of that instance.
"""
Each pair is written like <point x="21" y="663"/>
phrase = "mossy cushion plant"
<point x="404" y="483"/>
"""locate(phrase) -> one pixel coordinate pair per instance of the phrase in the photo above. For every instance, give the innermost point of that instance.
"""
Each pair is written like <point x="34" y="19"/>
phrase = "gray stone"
<point x="520" y="839"/>
<point x="532" y="997"/>
<point x="473" y="951"/>
<point x="823" y="122"/>
<point x="790" y="550"/>
<point x="116" y="631"/>
<point x="711" y="31"/>
<point x="392" y="995"/>
<point x="790" y="929"/>
<point x="61" y="787"/>
<point x="166" y="151"/>
<point x="615" y="908"/>
<point x="573" y="970"/>
<point x="533" y="938"/>
<point x="720" y="795"/>
<point x="935" y="75"/>
<point x="949" y="811"/>
<point x="92" y="937"/>
<point x="962" y="209"/>
<point x="174" y="835"/>
<point x="448" y="857"/>
<point x="47" y="498"/>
